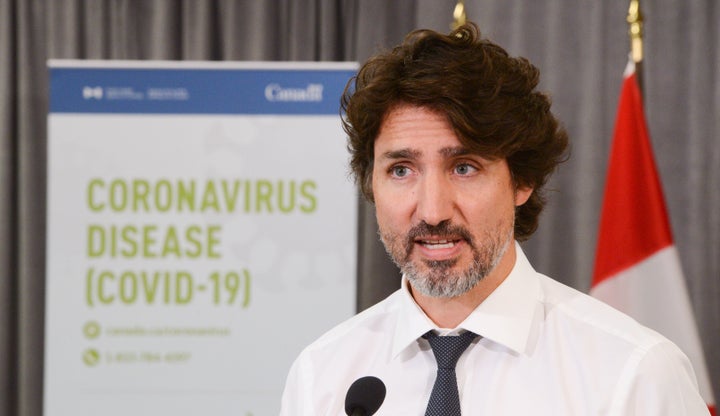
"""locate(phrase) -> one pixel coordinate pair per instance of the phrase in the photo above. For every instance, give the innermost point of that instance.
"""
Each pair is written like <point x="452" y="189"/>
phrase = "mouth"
<point x="438" y="244"/>
<point x="439" y="248"/>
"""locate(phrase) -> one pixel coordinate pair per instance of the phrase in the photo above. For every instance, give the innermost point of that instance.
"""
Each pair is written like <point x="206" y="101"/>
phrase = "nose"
<point x="434" y="199"/>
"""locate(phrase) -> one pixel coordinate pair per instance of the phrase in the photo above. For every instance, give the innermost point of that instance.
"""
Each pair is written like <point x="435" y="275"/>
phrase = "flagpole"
<point x="635" y="20"/>
<point x="459" y="15"/>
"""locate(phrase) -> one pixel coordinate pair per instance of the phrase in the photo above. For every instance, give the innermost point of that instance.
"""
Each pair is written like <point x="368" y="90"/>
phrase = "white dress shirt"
<point x="545" y="349"/>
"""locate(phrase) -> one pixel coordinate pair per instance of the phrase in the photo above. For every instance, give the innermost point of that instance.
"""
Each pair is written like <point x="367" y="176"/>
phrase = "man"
<point x="452" y="144"/>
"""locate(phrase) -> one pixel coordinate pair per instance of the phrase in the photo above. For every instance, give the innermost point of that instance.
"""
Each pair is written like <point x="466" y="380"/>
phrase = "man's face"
<point x="446" y="216"/>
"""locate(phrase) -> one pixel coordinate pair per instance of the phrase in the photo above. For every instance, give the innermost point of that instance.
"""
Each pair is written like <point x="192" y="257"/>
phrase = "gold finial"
<point x="459" y="15"/>
<point x="635" y="19"/>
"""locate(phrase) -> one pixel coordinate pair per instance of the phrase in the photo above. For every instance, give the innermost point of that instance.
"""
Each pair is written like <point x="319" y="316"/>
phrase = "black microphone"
<point x="364" y="396"/>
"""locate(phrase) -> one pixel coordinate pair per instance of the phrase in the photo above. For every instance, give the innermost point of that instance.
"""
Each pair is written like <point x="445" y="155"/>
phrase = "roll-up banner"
<point x="201" y="231"/>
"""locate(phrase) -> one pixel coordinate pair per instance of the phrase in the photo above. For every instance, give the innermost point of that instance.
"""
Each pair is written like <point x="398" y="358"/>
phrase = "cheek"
<point x="384" y="211"/>
<point x="393" y="212"/>
<point x="487" y="208"/>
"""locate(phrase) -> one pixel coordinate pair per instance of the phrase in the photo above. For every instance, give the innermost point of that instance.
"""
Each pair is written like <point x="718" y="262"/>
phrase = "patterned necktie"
<point x="444" y="399"/>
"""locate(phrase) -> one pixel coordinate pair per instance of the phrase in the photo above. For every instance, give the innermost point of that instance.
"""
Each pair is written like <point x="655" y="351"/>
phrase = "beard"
<point x="439" y="278"/>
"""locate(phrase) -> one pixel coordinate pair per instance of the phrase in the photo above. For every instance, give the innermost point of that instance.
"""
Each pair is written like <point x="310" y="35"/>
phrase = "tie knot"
<point x="448" y="349"/>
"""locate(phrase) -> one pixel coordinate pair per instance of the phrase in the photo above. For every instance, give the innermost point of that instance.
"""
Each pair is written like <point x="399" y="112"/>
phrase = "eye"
<point x="465" y="169"/>
<point x="399" y="171"/>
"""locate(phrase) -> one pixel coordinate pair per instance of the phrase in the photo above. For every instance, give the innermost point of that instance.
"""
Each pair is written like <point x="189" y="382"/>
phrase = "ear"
<point x="522" y="194"/>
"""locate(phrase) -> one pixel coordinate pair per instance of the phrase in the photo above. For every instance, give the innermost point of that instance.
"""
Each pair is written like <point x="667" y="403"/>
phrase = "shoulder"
<point x="570" y="308"/>
<point x="331" y="360"/>
<point x="648" y="372"/>
<point x="380" y="317"/>
<point x="660" y="381"/>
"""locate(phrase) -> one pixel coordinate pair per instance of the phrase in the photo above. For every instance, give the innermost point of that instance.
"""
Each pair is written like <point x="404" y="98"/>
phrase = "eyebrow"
<point x="415" y="154"/>
<point x="455" y="151"/>
<point x="402" y="154"/>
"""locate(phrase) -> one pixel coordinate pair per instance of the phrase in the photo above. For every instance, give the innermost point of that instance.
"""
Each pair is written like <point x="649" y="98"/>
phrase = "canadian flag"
<point x="637" y="267"/>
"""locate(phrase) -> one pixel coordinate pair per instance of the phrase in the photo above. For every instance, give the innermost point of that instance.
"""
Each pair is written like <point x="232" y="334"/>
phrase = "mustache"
<point x="442" y="229"/>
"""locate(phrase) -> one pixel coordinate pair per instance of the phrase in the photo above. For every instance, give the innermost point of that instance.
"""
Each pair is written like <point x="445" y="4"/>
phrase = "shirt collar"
<point x="509" y="316"/>
<point x="412" y="322"/>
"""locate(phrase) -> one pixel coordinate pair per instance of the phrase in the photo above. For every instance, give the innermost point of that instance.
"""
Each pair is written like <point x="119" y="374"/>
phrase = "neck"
<point x="451" y="312"/>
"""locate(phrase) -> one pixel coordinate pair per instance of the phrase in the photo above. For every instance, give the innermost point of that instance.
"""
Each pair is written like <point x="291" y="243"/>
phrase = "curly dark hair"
<point x="487" y="96"/>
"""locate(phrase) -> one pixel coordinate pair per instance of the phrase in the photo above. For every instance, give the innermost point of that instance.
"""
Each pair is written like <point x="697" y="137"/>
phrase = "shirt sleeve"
<point x="299" y="397"/>
<point x="660" y="382"/>
<point x="293" y="397"/>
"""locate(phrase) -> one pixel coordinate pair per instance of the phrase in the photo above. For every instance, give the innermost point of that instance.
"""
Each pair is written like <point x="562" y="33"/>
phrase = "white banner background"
<point x="149" y="326"/>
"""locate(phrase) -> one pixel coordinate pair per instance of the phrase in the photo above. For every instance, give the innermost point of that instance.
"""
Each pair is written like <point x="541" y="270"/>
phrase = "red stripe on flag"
<point x="634" y="222"/>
